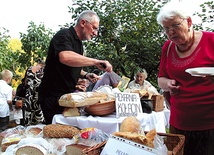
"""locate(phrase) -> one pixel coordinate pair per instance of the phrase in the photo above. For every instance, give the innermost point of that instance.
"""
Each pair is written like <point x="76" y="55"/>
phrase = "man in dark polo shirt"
<point x="65" y="61"/>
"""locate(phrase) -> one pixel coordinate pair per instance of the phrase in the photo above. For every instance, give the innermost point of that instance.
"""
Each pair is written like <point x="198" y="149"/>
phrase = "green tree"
<point x="129" y="35"/>
<point x="7" y="56"/>
<point x="207" y="15"/>
<point x="34" y="44"/>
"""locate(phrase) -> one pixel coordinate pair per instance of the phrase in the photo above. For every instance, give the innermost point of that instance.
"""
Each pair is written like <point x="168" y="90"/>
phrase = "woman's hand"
<point x="173" y="87"/>
<point x="168" y="85"/>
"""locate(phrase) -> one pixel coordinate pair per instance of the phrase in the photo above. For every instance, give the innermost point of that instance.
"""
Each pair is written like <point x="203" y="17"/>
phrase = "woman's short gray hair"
<point x="143" y="71"/>
<point x="87" y="15"/>
<point x="172" y="9"/>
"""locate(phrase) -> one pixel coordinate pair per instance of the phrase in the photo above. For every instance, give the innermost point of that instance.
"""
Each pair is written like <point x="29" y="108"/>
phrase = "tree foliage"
<point x="129" y="35"/>
<point x="207" y="16"/>
<point x="7" y="56"/>
<point x="35" y="44"/>
<point x="17" y="55"/>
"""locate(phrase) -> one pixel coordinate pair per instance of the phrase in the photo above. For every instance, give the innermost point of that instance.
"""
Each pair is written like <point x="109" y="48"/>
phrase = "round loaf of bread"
<point x="59" y="131"/>
<point x="31" y="149"/>
<point x="131" y="124"/>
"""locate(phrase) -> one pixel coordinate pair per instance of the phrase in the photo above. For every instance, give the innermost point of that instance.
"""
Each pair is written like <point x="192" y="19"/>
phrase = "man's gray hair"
<point x="87" y="15"/>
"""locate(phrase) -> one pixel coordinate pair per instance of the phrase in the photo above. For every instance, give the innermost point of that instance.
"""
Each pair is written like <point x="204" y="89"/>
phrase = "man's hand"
<point x="92" y="77"/>
<point x="104" y="65"/>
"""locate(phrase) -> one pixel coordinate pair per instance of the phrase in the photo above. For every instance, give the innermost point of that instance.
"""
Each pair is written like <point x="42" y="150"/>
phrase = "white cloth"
<point x="167" y="116"/>
<point x="5" y="95"/>
<point x="108" y="78"/>
<point x="110" y="123"/>
<point x="146" y="85"/>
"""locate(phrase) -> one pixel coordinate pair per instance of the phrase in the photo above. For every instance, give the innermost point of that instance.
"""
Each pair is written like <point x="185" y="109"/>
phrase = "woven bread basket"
<point x="101" y="109"/>
<point x="174" y="144"/>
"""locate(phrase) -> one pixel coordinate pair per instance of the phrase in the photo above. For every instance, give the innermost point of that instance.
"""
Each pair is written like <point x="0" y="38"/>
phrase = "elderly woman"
<point x="140" y="82"/>
<point x="192" y="97"/>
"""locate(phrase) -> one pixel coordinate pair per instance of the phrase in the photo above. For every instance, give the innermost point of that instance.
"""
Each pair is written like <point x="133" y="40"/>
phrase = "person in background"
<point x="110" y="79"/>
<point x="65" y="62"/>
<point x="191" y="97"/>
<point x="82" y="85"/>
<point x="140" y="82"/>
<point x="33" y="112"/>
<point x="91" y="84"/>
<point x="6" y="93"/>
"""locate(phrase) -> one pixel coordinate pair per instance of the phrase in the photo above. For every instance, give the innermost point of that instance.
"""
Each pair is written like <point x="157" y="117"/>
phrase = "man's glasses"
<point x="174" y="27"/>
<point x="94" y="27"/>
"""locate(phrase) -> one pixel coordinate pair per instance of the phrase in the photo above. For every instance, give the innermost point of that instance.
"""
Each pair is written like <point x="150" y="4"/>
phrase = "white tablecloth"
<point x="167" y="116"/>
<point x="110" y="123"/>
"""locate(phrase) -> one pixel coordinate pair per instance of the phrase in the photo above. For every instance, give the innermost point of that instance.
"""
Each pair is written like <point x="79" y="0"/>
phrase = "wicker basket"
<point x="101" y="109"/>
<point x="174" y="143"/>
<point x="94" y="150"/>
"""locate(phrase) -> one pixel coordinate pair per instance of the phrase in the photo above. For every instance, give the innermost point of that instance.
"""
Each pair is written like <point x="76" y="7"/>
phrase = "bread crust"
<point x="69" y="112"/>
<point x="31" y="149"/>
<point x="131" y="124"/>
<point x="35" y="131"/>
<point x="135" y="137"/>
<point x="81" y="99"/>
<point x="5" y="145"/>
<point x="59" y="131"/>
<point x="76" y="149"/>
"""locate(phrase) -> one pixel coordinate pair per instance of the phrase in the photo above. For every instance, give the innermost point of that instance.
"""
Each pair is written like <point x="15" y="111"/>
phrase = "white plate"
<point x="201" y="71"/>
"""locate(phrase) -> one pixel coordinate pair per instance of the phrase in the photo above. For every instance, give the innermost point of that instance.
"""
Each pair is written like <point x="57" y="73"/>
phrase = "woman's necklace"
<point x="188" y="48"/>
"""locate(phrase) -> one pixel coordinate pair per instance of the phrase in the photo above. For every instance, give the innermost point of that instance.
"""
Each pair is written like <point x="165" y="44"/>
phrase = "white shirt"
<point x="5" y="95"/>
<point x="146" y="85"/>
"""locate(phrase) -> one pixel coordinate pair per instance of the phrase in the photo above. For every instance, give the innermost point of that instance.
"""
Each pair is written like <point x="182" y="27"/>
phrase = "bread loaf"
<point x="70" y="112"/>
<point x="31" y="149"/>
<point x="18" y="130"/>
<point x="9" y="141"/>
<point x="147" y="139"/>
<point x="2" y="135"/>
<point x="59" y="131"/>
<point x="135" y="137"/>
<point x="78" y="149"/>
<point x="131" y="124"/>
<point x="81" y="99"/>
<point x="34" y="131"/>
<point x="75" y="149"/>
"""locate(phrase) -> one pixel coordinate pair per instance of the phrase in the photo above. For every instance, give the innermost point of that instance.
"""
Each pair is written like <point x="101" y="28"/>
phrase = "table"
<point x="167" y="116"/>
<point x="110" y="123"/>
